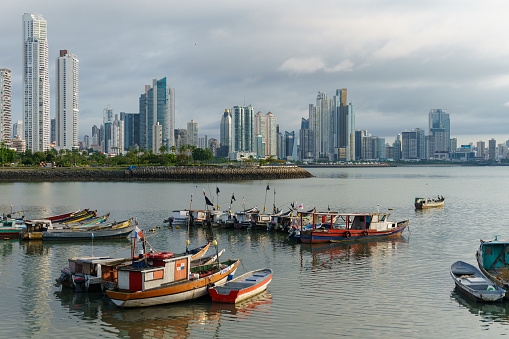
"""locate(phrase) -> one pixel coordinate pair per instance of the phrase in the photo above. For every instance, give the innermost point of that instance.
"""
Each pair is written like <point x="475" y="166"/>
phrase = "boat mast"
<point x="188" y="221"/>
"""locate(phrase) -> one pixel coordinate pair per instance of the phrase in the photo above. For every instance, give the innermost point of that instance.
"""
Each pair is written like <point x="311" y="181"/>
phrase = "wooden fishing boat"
<point x="43" y="230"/>
<point x="82" y="224"/>
<point x="422" y="203"/>
<point x="208" y="260"/>
<point x="88" y="274"/>
<point x="68" y="217"/>
<point x="326" y="227"/>
<point x="11" y="228"/>
<point x="243" y="287"/>
<point x="474" y="284"/>
<point x="163" y="280"/>
<point x="493" y="261"/>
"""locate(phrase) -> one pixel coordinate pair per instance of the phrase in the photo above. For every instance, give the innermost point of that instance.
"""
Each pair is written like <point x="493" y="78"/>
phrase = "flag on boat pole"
<point x="301" y="206"/>
<point x="208" y="202"/>
<point x="136" y="233"/>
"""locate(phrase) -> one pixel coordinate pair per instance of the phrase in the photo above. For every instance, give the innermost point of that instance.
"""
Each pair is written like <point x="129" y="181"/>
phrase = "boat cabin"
<point x="495" y="255"/>
<point x="354" y="221"/>
<point x="158" y="269"/>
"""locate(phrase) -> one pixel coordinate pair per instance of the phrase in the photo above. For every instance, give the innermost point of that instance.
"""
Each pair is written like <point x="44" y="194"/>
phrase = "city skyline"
<point x="394" y="75"/>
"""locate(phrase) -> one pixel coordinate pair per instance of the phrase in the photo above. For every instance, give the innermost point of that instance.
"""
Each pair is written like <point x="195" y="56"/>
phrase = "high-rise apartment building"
<point x="243" y="129"/>
<point x="492" y="150"/>
<point x="5" y="106"/>
<point x="67" y="112"/>
<point x="36" y="83"/>
<point x="157" y="105"/>
<point x="192" y="133"/>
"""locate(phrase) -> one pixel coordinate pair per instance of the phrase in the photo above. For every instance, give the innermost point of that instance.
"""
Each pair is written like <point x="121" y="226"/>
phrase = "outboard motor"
<point x="80" y="282"/>
<point x="65" y="277"/>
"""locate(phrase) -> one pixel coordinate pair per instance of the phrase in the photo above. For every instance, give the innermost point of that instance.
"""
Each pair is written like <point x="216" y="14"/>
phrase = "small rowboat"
<point x="475" y="285"/>
<point x="243" y="287"/>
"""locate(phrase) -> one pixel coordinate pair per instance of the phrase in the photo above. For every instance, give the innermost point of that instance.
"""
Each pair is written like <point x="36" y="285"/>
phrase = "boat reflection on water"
<point x="326" y="254"/>
<point x="488" y="312"/>
<point x="179" y="320"/>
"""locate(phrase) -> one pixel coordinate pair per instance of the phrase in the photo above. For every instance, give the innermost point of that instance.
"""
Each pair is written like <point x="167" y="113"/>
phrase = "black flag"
<point x="268" y="188"/>
<point x="207" y="201"/>
<point x="233" y="197"/>
<point x="217" y="190"/>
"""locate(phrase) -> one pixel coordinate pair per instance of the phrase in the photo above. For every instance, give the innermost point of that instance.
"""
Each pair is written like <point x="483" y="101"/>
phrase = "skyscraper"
<point x="66" y="120"/>
<point x="243" y="129"/>
<point x="440" y="128"/>
<point x="35" y="83"/>
<point x="192" y="133"/>
<point x="5" y="105"/>
<point x="157" y="105"/>
<point x="225" y="134"/>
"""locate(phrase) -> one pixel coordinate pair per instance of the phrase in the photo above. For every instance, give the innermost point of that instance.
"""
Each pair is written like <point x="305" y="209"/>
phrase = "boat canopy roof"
<point x="337" y="214"/>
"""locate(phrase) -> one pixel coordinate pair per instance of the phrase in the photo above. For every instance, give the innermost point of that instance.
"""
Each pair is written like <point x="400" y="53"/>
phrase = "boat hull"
<point x="180" y="291"/>
<point x="232" y="296"/>
<point x="325" y="236"/>
<point x="98" y="234"/>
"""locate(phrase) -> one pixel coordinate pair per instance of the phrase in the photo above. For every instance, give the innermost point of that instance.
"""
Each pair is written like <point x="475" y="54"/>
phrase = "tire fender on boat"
<point x="365" y="233"/>
<point x="348" y="234"/>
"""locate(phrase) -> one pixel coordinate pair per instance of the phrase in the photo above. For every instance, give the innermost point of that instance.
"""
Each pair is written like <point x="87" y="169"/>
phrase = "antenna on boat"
<point x="217" y="254"/>
<point x="188" y="221"/>
<point x="265" y="202"/>
<point x="377" y="208"/>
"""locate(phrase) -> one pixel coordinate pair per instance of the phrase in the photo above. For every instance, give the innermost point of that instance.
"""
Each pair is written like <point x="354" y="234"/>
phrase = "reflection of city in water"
<point x="180" y="320"/>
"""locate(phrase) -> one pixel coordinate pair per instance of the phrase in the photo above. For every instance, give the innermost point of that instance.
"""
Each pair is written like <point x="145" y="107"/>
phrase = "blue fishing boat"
<point x="493" y="261"/>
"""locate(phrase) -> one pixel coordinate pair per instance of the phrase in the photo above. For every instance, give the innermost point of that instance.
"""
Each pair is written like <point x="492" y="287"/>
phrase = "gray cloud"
<point x="397" y="58"/>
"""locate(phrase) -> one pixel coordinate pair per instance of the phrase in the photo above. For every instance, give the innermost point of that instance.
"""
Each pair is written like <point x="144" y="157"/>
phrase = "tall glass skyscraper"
<point x="157" y="105"/>
<point x="243" y="129"/>
<point x="35" y="83"/>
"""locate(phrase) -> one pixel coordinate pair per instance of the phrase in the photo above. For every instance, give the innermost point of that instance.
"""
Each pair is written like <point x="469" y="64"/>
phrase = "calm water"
<point x="394" y="288"/>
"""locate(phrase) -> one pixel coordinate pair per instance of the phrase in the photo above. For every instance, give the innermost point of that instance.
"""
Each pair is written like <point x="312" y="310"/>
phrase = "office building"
<point x="157" y="105"/>
<point x="5" y="106"/>
<point x="66" y="103"/>
<point x="440" y="129"/>
<point x="36" y="90"/>
<point x="131" y="130"/>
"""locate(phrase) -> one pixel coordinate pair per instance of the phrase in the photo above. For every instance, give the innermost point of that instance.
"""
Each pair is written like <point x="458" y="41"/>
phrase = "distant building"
<point x="225" y="134"/>
<point x="213" y="145"/>
<point x="481" y="149"/>
<point x="157" y="137"/>
<point x="5" y="105"/>
<point x="36" y="88"/>
<point x="192" y="133"/>
<point x="289" y="144"/>
<point x="157" y="105"/>
<point x="131" y="130"/>
<point x="243" y="129"/>
<point x="181" y="138"/>
<point x="440" y="129"/>
<point x="492" y="150"/>
<point x="67" y="111"/>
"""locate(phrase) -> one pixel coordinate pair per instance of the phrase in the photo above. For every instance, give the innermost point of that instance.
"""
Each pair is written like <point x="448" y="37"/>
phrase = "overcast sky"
<point x="397" y="58"/>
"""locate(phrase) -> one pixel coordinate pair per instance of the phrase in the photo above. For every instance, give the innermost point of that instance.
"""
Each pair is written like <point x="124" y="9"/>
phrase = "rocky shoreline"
<point x="154" y="173"/>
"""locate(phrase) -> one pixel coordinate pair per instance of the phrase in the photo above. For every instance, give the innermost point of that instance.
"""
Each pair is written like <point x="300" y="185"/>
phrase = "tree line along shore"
<point x="154" y="173"/>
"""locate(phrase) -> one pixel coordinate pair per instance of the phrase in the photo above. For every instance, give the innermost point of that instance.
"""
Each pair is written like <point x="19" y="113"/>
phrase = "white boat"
<point x="470" y="281"/>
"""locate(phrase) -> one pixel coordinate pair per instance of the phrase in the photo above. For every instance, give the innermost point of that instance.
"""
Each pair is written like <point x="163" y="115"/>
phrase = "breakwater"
<point x="155" y="173"/>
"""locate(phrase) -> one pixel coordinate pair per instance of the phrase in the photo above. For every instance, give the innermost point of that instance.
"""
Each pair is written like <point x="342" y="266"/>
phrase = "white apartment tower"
<point x="35" y="83"/>
<point x="5" y="105"/>
<point x="67" y="101"/>
<point x="192" y="133"/>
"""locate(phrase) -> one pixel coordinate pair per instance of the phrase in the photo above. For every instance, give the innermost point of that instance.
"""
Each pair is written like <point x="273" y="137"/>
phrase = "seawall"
<point x="154" y="173"/>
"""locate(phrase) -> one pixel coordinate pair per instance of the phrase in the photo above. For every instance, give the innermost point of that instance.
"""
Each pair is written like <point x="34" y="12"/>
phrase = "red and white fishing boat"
<point x="243" y="287"/>
<point x="166" y="279"/>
